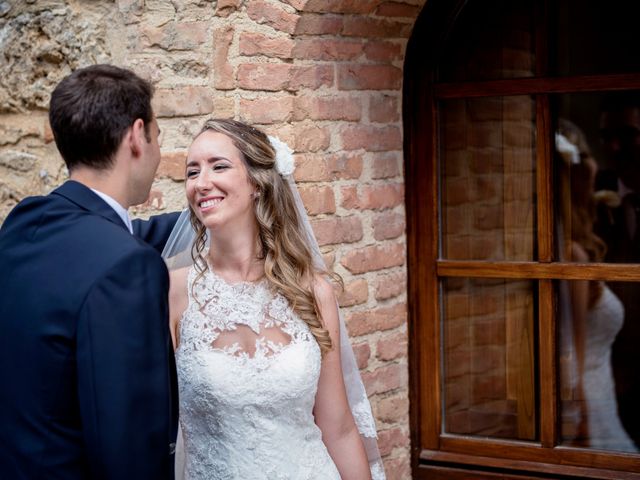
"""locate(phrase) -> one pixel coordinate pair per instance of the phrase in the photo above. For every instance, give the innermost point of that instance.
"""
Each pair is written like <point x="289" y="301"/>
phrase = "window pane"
<point x="599" y="384"/>
<point x="491" y="39"/>
<point x="489" y="361"/>
<point x="487" y="166"/>
<point x="597" y="173"/>
<point x="596" y="37"/>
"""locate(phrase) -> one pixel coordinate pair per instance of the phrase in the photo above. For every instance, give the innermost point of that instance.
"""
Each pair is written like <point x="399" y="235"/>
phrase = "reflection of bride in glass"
<point x="269" y="387"/>
<point x="591" y="314"/>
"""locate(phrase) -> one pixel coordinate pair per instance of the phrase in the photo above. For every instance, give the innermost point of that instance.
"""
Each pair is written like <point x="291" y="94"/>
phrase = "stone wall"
<point x="323" y="75"/>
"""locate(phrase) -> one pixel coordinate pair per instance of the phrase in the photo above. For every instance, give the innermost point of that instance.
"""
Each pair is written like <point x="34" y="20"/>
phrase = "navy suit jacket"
<point x="87" y="373"/>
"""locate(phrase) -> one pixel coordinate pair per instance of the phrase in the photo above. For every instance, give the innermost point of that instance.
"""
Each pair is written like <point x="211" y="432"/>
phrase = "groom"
<point x="86" y="364"/>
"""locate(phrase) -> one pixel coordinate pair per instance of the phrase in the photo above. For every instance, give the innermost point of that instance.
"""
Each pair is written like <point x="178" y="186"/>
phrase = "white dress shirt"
<point x="119" y="209"/>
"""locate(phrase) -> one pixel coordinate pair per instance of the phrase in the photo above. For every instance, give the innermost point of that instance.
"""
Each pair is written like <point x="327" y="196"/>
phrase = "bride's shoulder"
<point x="325" y="293"/>
<point x="178" y="277"/>
<point x="323" y="289"/>
<point x="178" y="294"/>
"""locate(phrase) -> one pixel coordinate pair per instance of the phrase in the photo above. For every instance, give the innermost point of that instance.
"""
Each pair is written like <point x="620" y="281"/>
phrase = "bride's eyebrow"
<point x="194" y="163"/>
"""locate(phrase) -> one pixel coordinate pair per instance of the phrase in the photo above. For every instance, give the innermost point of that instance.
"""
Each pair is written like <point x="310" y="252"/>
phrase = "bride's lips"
<point x="209" y="203"/>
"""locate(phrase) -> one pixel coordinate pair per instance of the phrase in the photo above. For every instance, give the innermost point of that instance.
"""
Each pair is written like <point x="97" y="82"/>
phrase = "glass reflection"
<point x="489" y="360"/>
<point x="592" y="316"/>
<point x="487" y="161"/>
<point x="592" y="313"/>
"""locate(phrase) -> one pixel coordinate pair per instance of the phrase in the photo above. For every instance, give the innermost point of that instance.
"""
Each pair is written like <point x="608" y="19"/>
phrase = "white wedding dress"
<point x="246" y="411"/>
<point x="604" y="321"/>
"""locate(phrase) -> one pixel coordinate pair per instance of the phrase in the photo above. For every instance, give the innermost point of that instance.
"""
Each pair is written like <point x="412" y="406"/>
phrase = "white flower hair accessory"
<point x="567" y="150"/>
<point x="284" y="156"/>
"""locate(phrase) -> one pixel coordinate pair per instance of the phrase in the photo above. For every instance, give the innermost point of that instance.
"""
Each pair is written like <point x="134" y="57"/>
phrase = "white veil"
<point x="177" y="254"/>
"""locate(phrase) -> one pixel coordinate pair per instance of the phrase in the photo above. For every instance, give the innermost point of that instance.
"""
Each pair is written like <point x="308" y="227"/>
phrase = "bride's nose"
<point x="204" y="182"/>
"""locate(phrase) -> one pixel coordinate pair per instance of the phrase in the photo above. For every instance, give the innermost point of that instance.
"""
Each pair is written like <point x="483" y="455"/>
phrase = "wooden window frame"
<point x="435" y="453"/>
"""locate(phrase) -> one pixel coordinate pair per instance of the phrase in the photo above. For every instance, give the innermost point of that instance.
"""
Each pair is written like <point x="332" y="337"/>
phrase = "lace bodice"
<point x="248" y="371"/>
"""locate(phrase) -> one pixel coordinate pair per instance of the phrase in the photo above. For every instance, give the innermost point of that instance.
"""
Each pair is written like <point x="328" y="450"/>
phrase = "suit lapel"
<point x="87" y="200"/>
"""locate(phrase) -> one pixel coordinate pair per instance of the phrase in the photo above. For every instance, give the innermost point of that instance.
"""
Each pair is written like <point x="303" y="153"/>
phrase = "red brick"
<point x="341" y="6"/>
<point x="385" y="379"/>
<point x="369" y="77"/>
<point x="327" y="49"/>
<point x="344" y="166"/>
<point x="223" y="74"/>
<point x="392" y="409"/>
<point x="224" y="107"/>
<point x="372" y="139"/>
<point x="328" y="108"/>
<point x="368" y="321"/>
<point x="266" y="109"/>
<point x="388" y="225"/>
<point x="382" y="51"/>
<point x="182" y="101"/>
<point x="376" y="257"/>
<point x="391" y="439"/>
<point x="392" y="347"/>
<point x="330" y="231"/>
<point x="272" y="15"/>
<point x="384" y="109"/>
<point x="388" y="286"/>
<point x="224" y="8"/>
<point x="312" y="76"/>
<point x="380" y="197"/>
<point x="397" y="9"/>
<point x="398" y="468"/>
<point x="354" y="293"/>
<point x="310" y="138"/>
<point x="264" y="76"/>
<point x="258" y="44"/>
<point x="323" y="167"/>
<point x="367" y="27"/>
<point x="362" y="352"/>
<point x="314" y="24"/>
<point x="350" y="198"/>
<point x="176" y="35"/>
<point x="318" y="199"/>
<point x="385" y="165"/>
<point x="172" y="165"/>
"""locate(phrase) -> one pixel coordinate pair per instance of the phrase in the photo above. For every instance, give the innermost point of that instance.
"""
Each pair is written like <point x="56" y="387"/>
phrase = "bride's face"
<point x="217" y="185"/>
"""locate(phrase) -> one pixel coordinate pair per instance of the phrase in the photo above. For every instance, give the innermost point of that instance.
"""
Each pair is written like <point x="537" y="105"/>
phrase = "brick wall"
<point x="323" y="75"/>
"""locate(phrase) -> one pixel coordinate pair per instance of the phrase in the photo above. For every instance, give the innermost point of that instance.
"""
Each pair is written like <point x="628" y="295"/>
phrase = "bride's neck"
<point x="236" y="258"/>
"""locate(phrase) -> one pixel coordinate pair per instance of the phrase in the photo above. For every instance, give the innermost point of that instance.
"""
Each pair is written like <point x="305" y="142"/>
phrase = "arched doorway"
<point x="523" y="276"/>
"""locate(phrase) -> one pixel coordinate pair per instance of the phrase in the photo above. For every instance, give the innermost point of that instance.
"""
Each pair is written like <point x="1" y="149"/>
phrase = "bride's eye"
<point x="192" y="173"/>
<point x="220" y="166"/>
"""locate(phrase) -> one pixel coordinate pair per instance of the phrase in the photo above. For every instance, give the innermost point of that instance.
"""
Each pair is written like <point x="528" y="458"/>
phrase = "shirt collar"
<point x="119" y="209"/>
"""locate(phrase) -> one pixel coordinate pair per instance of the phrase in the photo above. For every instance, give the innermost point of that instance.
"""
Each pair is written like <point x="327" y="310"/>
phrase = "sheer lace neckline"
<point x="245" y="320"/>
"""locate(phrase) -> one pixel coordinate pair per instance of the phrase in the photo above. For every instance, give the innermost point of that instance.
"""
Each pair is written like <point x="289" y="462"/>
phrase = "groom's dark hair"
<point x="91" y="109"/>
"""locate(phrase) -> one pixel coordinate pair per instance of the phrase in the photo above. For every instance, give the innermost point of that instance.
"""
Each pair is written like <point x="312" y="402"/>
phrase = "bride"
<point x="261" y="349"/>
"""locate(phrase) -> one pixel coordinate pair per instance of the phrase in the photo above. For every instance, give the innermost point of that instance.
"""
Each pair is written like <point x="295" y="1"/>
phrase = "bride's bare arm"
<point x="178" y="301"/>
<point x="331" y="410"/>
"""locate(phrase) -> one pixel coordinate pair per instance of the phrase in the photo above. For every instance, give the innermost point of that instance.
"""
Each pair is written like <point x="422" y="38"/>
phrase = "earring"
<point x="255" y="195"/>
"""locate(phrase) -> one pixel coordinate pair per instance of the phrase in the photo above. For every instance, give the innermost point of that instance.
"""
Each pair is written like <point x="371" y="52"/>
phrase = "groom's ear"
<point x="136" y="137"/>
